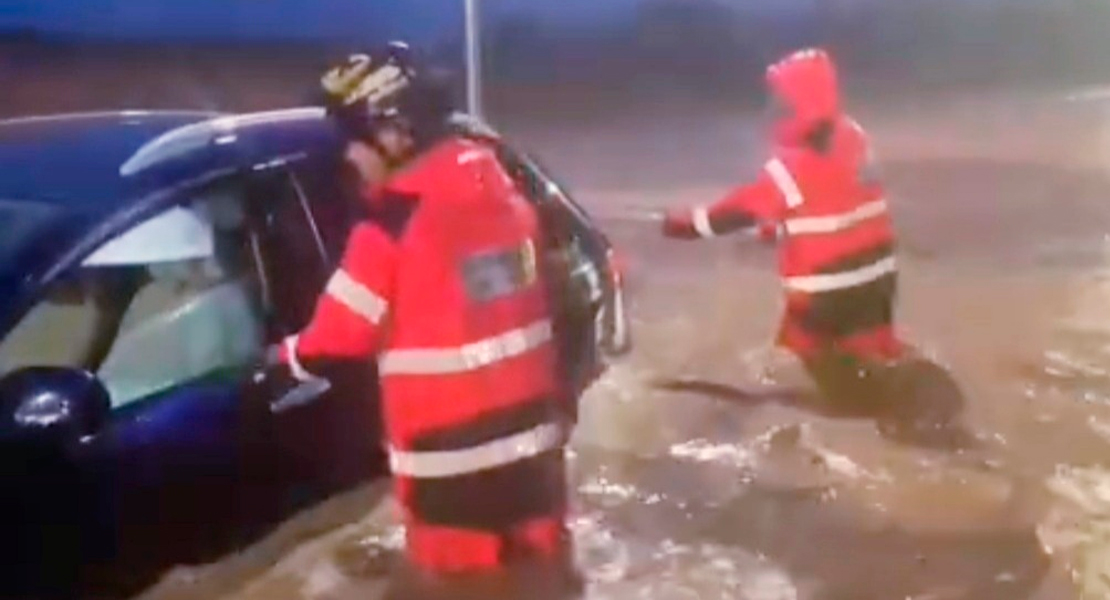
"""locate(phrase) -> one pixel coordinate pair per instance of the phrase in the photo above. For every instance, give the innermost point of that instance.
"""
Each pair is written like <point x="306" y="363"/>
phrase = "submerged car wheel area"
<point x="138" y="425"/>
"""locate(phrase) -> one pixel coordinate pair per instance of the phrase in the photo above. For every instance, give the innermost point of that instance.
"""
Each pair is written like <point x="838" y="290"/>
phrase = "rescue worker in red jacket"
<point x="440" y="285"/>
<point x="819" y="190"/>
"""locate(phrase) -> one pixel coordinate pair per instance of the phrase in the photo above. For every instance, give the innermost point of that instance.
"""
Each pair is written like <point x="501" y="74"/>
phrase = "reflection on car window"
<point x="153" y="308"/>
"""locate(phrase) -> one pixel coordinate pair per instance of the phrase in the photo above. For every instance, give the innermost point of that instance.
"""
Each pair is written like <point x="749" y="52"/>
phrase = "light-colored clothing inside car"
<point x="188" y="322"/>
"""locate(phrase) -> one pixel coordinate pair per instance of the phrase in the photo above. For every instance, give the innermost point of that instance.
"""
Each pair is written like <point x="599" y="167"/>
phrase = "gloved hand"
<point x="679" y="223"/>
<point x="282" y="388"/>
<point x="300" y="393"/>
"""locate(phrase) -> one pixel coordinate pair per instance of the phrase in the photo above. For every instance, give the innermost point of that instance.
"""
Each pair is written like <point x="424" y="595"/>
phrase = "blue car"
<point x="147" y="260"/>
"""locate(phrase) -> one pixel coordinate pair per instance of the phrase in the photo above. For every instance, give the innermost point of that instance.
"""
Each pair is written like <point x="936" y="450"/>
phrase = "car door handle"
<point x="304" y="393"/>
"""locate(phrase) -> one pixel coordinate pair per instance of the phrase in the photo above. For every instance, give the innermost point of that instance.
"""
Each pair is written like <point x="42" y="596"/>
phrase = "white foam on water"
<point x="601" y="486"/>
<point x="702" y="450"/>
<point x="1078" y="529"/>
<point x="702" y="572"/>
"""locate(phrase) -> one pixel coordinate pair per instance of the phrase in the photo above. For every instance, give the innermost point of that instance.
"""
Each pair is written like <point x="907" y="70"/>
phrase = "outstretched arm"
<point x="351" y="312"/>
<point x="758" y="203"/>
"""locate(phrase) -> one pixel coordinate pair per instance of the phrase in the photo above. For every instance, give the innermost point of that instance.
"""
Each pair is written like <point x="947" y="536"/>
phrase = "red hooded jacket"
<point x="442" y="286"/>
<point x="820" y="186"/>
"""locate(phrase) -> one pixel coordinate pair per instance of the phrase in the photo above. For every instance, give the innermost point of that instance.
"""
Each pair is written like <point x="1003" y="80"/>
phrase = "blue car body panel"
<point x="195" y="422"/>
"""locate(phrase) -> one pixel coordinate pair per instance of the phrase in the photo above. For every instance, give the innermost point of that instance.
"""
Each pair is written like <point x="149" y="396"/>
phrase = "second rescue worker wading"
<point x="441" y="284"/>
<point x="836" y="255"/>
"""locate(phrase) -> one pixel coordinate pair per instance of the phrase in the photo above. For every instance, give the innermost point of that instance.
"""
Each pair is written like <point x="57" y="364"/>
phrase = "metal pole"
<point x="473" y="60"/>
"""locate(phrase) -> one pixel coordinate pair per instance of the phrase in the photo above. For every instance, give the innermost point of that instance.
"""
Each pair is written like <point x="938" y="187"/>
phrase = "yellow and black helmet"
<point x="386" y="86"/>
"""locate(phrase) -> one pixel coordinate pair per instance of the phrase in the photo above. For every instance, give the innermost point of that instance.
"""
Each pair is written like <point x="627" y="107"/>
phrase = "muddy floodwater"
<point x="1003" y="204"/>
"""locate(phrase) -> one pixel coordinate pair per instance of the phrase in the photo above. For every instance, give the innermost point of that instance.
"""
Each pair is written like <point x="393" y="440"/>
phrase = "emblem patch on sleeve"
<point x="492" y="275"/>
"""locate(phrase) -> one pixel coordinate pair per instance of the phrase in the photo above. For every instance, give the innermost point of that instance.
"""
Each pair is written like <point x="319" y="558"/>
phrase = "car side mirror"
<point x="38" y="402"/>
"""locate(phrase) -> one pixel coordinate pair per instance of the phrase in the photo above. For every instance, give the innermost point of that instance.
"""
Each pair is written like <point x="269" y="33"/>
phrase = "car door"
<point x="329" y="438"/>
<point x="224" y="449"/>
<point x="579" y="270"/>
<point x="166" y="314"/>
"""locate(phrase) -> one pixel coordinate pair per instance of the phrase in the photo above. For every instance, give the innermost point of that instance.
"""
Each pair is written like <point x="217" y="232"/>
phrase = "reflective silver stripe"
<point x="813" y="284"/>
<point x="471" y="156"/>
<point x="440" y="361"/>
<point x="838" y="222"/>
<point x="295" y="367"/>
<point x="498" y="453"/>
<point x="785" y="182"/>
<point x="357" y="297"/>
<point x="701" y="222"/>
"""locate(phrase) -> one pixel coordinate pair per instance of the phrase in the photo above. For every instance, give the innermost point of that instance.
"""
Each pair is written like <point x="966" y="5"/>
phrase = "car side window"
<point x="169" y="301"/>
<point x="332" y="195"/>
<point x="196" y="315"/>
<point x="291" y="248"/>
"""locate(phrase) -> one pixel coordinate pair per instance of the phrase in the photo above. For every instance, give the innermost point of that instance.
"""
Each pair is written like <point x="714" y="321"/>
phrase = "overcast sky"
<point x="311" y="19"/>
<point x="417" y="20"/>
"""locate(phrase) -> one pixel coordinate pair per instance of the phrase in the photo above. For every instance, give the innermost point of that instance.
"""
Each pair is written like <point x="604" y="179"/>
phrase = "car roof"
<point x="100" y="162"/>
<point x="74" y="159"/>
